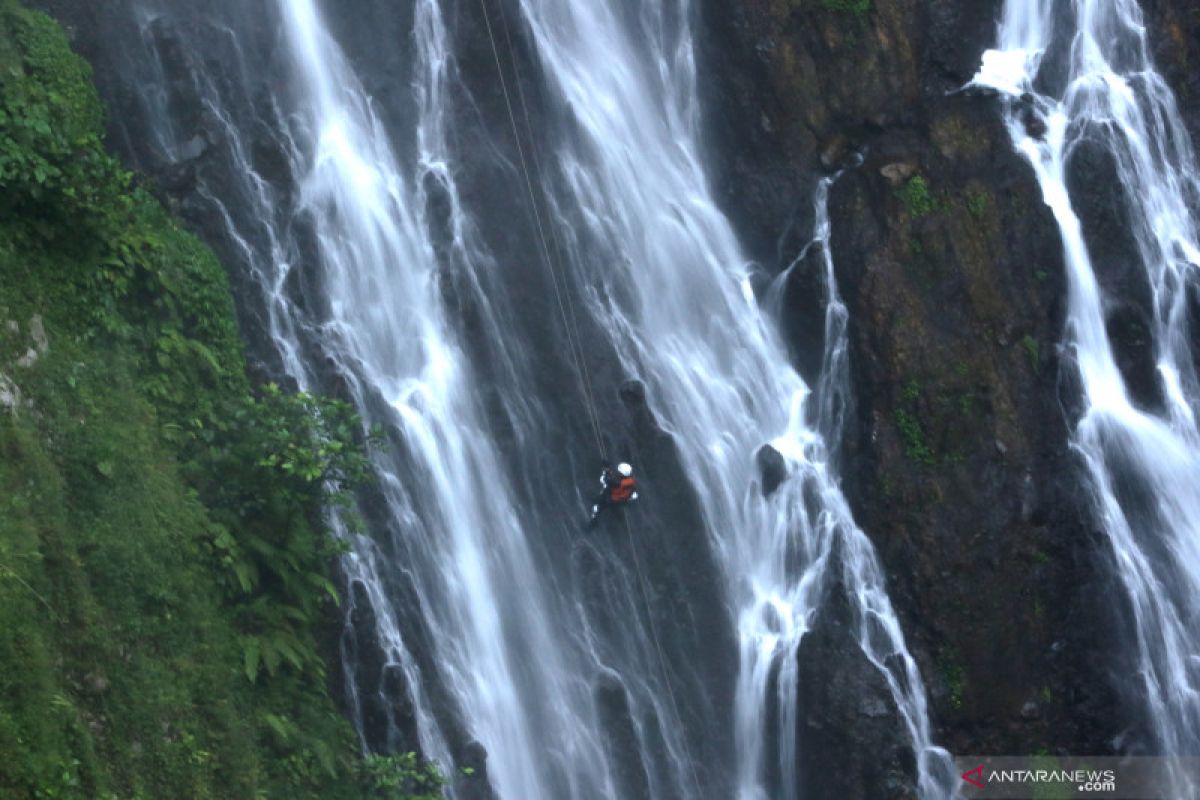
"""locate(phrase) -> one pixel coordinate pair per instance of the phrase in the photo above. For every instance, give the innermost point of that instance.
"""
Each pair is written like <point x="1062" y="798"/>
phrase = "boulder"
<point x="772" y="469"/>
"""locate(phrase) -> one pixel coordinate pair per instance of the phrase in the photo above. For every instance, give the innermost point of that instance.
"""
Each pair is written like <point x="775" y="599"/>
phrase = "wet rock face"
<point x="852" y="741"/>
<point x="474" y="785"/>
<point x="1103" y="210"/>
<point x="385" y="712"/>
<point x="795" y="89"/>
<point x="1175" y="41"/>
<point x="956" y="459"/>
<point x="612" y="701"/>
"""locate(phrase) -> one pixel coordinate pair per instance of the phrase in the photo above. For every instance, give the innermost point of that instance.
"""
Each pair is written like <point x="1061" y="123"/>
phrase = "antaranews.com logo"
<point x="1070" y="777"/>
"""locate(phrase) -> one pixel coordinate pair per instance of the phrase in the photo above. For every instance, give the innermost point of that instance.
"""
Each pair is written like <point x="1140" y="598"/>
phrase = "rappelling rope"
<point x="662" y="660"/>
<point x="580" y="362"/>
<point x="572" y="332"/>
<point x="570" y="322"/>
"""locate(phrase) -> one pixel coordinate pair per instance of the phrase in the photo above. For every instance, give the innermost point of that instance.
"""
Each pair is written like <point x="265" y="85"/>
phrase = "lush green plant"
<point x="163" y="527"/>
<point x="400" y="777"/>
<point x="52" y="159"/>
<point x="268" y="469"/>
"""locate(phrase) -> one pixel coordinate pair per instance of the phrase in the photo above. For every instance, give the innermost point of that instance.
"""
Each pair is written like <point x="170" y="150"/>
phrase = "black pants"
<point x="601" y="502"/>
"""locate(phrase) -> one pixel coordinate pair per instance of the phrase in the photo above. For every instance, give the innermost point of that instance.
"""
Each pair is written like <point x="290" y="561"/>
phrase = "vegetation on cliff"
<point x="163" y="544"/>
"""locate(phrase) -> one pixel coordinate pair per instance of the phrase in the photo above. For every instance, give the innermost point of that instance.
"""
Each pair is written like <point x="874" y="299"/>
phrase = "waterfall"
<point x="479" y="286"/>
<point x="497" y="637"/>
<point x="717" y="372"/>
<point x="1080" y="75"/>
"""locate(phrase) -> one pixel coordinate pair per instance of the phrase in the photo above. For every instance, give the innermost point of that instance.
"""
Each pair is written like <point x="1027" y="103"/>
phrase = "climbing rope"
<point x="662" y="661"/>
<point x="580" y="361"/>
<point x="570" y="323"/>
<point x="572" y="332"/>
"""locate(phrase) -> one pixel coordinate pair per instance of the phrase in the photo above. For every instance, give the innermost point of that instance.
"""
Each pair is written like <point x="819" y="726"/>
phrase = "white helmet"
<point x="625" y="469"/>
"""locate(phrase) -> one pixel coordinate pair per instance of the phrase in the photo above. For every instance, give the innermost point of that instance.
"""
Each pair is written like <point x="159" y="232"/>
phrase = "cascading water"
<point x="1084" y="70"/>
<point x="718" y="375"/>
<point x="497" y="645"/>
<point x="388" y="271"/>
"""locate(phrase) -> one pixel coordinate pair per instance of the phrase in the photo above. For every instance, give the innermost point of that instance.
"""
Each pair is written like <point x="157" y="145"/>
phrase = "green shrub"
<point x="53" y="168"/>
<point x="400" y="777"/>
<point x="268" y="469"/>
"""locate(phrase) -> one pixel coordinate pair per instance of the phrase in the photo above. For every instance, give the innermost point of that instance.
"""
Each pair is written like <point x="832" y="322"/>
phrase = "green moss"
<point x="1033" y="350"/>
<point x="966" y="404"/>
<point x="915" y="446"/>
<point x="160" y="518"/>
<point x="859" y="8"/>
<point x="953" y="676"/>
<point x="917" y="197"/>
<point x="911" y="432"/>
<point x="978" y="203"/>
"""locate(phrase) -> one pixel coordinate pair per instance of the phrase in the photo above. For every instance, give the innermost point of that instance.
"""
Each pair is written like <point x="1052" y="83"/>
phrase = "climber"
<point x="620" y="487"/>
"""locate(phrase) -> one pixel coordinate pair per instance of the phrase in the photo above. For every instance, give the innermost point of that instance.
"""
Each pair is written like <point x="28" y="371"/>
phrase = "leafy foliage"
<point x="913" y="435"/>
<point x="164" y="546"/>
<point x="52" y="161"/>
<point x="268" y="468"/>
<point x="400" y="777"/>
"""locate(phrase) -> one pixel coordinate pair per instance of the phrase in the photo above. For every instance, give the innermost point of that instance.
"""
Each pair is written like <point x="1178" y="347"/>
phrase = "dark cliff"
<point x="956" y="459"/>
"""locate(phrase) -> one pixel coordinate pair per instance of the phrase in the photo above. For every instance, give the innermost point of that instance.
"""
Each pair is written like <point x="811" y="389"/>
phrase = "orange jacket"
<point x="623" y="490"/>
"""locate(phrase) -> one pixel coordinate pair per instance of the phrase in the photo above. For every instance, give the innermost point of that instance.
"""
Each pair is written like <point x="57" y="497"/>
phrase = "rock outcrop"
<point x="851" y="739"/>
<point x="956" y="461"/>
